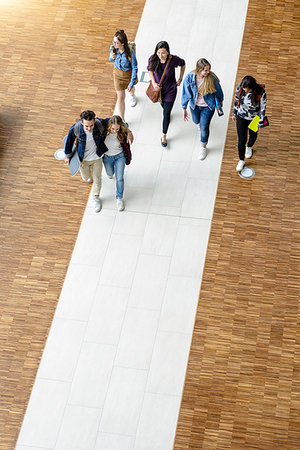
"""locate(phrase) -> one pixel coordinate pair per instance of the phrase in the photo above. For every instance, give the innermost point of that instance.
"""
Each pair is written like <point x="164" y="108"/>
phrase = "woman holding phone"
<point x="125" y="70"/>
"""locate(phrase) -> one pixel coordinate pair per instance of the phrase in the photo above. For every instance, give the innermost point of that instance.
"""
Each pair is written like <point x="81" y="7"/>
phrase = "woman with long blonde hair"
<point x="202" y="89"/>
<point x="118" y="154"/>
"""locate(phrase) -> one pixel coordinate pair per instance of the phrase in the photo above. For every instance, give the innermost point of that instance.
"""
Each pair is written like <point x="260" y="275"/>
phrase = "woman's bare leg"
<point x="121" y="103"/>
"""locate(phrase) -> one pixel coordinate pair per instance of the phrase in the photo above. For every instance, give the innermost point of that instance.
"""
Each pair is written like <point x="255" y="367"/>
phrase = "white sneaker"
<point x="97" y="204"/>
<point x="110" y="176"/>
<point x="202" y="153"/>
<point x="120" y="204"/>
<point x="132" y="101"/>
<point x="248" y="153"/>
<point x="240" y="165"/>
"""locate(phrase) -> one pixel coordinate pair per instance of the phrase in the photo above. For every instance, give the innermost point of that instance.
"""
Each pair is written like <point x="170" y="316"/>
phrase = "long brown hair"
<point x="251" y="83"/>
<point x="121" y="36"/>
<point x="122" y="133"/>
<point x="208" y="85"/>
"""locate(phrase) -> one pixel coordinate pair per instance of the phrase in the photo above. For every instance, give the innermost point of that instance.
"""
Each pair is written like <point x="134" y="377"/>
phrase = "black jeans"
<point x="167" y="108"/>
<point x="242" y="131"/>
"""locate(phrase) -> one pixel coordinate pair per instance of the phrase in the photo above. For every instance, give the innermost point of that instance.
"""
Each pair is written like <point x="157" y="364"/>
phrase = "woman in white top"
<point x="118" y="155"/>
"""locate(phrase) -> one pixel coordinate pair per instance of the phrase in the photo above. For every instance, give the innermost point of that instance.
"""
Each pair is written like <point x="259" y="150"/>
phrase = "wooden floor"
<point x="242" y="385"/>
<point x="50" y="52"/>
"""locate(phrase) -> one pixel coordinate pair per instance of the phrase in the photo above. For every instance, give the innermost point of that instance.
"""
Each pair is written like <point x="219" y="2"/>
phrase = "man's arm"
<point x="69" y="144"/>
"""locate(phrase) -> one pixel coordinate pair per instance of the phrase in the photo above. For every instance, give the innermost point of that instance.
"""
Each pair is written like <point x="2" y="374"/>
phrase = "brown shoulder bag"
<point x="155" y="94"/>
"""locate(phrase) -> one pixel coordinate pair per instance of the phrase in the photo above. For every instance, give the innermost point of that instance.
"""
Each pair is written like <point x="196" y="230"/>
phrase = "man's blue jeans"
<point x="202" y="115"/>
<point x="116" y="165"/>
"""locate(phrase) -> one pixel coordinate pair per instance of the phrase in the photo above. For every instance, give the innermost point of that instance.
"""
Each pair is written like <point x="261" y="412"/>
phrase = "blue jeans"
<point x="116" y="165"/>
<point x="202" y="115"/>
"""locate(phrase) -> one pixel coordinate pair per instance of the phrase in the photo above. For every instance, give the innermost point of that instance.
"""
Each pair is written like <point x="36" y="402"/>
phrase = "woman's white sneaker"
<point x="120" y="204"/>
<point x="240" y="165"/>
<point x="202" y="153"/>
<point x="133" y="101"/>
<point x="248" y="153"/>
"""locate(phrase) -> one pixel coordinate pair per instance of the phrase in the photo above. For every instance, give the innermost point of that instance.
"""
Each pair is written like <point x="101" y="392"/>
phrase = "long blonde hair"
<point x="208" y="85"/>
<point x="122" y="133"/>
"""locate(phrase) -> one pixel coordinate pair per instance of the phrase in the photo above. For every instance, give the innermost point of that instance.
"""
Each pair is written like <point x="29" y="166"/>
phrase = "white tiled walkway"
<point x="113" y="369"/>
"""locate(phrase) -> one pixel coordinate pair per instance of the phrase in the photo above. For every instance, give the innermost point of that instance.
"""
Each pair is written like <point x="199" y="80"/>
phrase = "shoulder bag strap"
<point x="164" y="72"/>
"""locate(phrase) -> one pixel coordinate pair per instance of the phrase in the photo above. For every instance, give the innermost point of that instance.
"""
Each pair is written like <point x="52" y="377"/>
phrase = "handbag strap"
<point x="164" y="72"/>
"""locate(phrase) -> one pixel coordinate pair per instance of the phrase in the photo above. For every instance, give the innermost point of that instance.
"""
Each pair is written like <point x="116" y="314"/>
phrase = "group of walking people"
<point x="109" y="139"/>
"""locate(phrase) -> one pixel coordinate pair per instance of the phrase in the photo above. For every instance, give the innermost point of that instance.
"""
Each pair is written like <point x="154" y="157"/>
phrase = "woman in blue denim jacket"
<point x="201" y="87"/>
<point x="125" y="70"/>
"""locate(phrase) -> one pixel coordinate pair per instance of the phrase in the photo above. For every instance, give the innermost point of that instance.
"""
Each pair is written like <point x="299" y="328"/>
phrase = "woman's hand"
<point x="185" y="115"/>
<point x="113" y="55"/>
<point x="233" y="118"/>
<point x="129" y="88"/>
<point x="67" y="160"/>
<point x="179" y="81"/>
<point x="129" y="137"/>
<point x="155" y="85"/>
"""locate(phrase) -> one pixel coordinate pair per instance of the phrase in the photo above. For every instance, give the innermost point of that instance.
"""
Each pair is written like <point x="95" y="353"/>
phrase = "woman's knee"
<point x="120" y="95"/>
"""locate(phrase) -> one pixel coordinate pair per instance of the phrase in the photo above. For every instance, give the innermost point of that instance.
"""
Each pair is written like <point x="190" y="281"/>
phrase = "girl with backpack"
<point x="250" y="100"/>
<point x="122" y="54"/>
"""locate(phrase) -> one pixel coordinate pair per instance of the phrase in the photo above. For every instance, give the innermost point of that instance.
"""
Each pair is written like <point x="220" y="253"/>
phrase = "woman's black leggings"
<point x="167" y="108"/>
<point x="242" y="131"/>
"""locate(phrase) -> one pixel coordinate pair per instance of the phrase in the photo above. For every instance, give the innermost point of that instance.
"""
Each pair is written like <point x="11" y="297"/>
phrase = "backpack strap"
<point x="97" y="123"/>
<point x="239" y="95"/>
<point x="132" y="46"/>
<point x="258" y="95"/>
<point x="77" y="129"/>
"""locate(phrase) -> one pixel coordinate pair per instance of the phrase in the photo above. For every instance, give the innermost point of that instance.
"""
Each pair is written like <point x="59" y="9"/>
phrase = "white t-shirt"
<point x="200" y="100"/>
<point x="90" y="148"/>
<point x="113" y="145"/>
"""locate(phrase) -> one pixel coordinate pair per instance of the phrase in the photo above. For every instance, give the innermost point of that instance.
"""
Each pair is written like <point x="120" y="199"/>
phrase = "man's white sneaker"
<point x="120" y="204"/>
<point x="248" y="153"/>
<point x="240" y="165"/>
<point x="97" y="204"/>
<point x="132" y="101"/>
<point x="202" y="153"/>
<point x="110" y="176"/>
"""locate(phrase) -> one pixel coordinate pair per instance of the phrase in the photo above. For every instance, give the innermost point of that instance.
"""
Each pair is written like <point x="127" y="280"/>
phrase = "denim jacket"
<point x="123" y="63"/>
<point x="190" y="93"/>
<point x="97" y="135"/>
